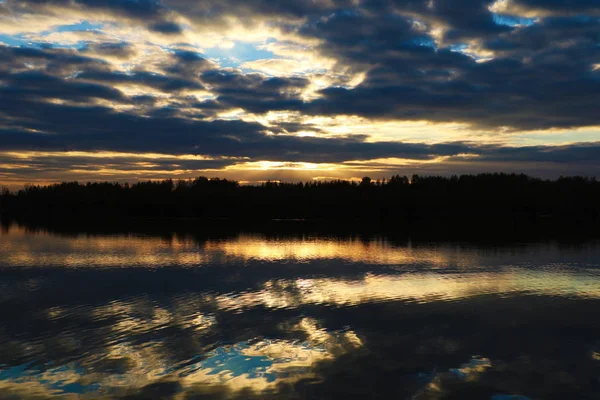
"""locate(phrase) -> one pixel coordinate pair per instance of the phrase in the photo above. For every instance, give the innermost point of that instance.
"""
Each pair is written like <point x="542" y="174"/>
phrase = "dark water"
<point x="255" y="317"/>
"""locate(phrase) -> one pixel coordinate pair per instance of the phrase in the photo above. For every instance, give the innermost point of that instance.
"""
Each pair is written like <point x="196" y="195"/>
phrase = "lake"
<point x="296" y="316"/>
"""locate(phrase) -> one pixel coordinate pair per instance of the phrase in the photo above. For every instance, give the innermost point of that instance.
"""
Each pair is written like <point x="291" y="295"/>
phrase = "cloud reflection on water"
<point x="131" y="316"/>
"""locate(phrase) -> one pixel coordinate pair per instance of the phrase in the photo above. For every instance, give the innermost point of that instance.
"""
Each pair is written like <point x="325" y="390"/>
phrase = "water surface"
<point x="249" y="316"/>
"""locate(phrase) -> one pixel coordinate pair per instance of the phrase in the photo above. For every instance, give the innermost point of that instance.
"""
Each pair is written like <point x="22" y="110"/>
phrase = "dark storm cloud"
<point x="49" y="60"/>
<point x="151" y="13"/>
<point x="92" y="128"/>
<point x="162" y="82"/>
<point x="131" y="8"/>
<point x="37" y="85"/>
<point x="573" y="153"/>
<point x="527" y="99"/>
<point x="255" y="92"/>
<point x="207" y="10"/>
<point x="463" y="18"/>
<point x="187" y="63"/>
<point x="33" y="165"/>
<point x="356" y="38"/>
<point x="65" y="74"/>
<point x="166" y="27"/>
<point x="98" y="128"/>
<point x="540" y="76"/>
<point x="562" y="6"/>
<point x="549" y="32"/>
<point x="119" y="50"/>
<point x="228" y="81"/>
<point x="214" y="13"/>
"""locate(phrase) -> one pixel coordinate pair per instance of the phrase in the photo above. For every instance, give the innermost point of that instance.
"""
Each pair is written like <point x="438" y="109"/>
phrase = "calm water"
<point x="255" y="317"/>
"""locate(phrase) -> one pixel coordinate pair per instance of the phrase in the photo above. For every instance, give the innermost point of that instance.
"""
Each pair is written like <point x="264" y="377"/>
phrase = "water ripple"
<point x="254" y="317"/>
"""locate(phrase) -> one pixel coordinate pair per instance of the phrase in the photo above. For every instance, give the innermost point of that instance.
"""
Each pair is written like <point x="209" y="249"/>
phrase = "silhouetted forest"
<point x="484" y="197"/>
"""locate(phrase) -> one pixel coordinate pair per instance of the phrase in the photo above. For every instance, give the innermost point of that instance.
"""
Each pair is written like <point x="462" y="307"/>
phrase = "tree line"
<point x="399" y="198"/>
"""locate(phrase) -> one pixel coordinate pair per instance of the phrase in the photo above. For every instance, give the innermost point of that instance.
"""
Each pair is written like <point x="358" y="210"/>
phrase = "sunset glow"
<point x="252" y="92"/>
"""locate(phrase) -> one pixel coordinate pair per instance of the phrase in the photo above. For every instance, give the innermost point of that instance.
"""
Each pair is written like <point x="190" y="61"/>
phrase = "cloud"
<point x="550" y="7"/>
<point x="36" y="85"/>
<point x="166" y="27"/>
<point x="151" y="13"/>
<point x="162" y="82"/>
<point x="117" y="50"/>
<point x="148" y="76"/>
<point x="255" y="92"/>
<point x="408" y="77"/>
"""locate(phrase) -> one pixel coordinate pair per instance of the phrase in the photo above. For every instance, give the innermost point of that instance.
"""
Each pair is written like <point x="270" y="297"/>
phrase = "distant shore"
<point x="477" y="203"/>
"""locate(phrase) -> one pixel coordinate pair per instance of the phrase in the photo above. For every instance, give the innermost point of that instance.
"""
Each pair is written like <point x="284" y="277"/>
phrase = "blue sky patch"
<point x="78" y="27"/>
<point x="512" y="20"/>
<point x="240" y="53"/>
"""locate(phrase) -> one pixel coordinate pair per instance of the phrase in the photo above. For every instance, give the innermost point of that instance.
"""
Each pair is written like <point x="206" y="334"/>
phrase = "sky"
<point x="255" y="90"/>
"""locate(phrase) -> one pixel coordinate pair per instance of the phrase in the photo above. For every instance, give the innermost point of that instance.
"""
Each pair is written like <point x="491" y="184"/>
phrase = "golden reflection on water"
<point x="19" y="249"/>
<point x="400" y="273"/>
<point x="420" y="282"/>
<point x="375" y="251"/>
<point x="414" y="287"/>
